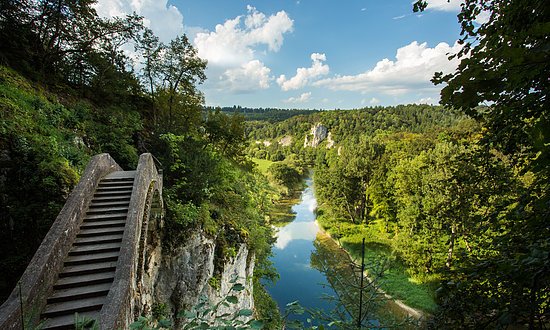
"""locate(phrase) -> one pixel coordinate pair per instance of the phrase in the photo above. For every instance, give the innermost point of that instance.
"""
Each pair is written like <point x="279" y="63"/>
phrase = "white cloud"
<point x="248" y="77"/>
<point x="455" y="6"/>
<point x="232" y="43"/>
<point x="301" y="99"/>
<point x="399" y="17"/>
<point x="374" y="100"/>
<point x="304" y="75"/>
<point x="444" y="5"/>
<point x="412" y="70"/>
<point x="427" y="100"/>
<point x="483" y="17"/>
<point x="165" y="20"/>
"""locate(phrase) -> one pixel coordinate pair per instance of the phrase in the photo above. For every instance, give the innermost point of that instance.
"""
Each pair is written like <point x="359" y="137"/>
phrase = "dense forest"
<point x="459" y="197"/>
<point x="458" y="194"/>
<point x="263" y="114"/>
<point x="68" y="91"/>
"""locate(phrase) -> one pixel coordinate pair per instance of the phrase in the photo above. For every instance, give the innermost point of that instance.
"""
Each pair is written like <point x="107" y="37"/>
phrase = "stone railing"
<point x="121" y="307"/>
<point x="22" y="308"/>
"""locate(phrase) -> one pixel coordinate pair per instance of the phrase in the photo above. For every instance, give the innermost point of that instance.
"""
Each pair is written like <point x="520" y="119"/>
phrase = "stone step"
<point x="90" y="268"/>
<point x="114" y="188"/>
<point x="100" y="232"/>
<point x="102" y="224"/>
<point x="96" y="248"/>
<point x="67" y="322"/>
<point x="92" y="258"/>
<point x="108" y="216"/>
<point x="120" y="175"/>
<point x="88" y="291"/>
<point x="111" y="199"/>
<point x="118" y="193"/>
<point x="112" y="209"/>
<point x="85" y="241"/>
<point x="74" y="306"/>
<point x="109" y="203"/>
<point x="112" y="182"/>
<point x="83" y="280"/>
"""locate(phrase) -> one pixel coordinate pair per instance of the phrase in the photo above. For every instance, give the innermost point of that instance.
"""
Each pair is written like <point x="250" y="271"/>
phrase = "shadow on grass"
<point x="396" y="280"/>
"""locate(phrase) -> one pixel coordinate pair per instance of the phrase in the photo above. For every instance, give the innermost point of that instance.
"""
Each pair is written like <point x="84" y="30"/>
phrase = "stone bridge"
<point x="93" y="259"/>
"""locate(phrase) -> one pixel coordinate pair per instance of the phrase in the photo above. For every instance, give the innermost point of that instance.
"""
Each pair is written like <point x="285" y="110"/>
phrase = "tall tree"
<point x="180" y="70"/>
<point x="504" y="65"/>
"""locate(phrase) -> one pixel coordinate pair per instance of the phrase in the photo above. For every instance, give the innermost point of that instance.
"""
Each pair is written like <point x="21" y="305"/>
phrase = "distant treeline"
<point x="271" y="115"/>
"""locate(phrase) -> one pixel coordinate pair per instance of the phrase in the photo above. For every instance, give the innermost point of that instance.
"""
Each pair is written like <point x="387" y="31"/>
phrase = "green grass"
<point x="396" y="280"/>
<point x="263" y="164"/>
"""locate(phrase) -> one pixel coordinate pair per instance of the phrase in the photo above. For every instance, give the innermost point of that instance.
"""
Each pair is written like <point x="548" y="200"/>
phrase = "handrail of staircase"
<point x="119" y="308"/>
<point x="22" y="311"/>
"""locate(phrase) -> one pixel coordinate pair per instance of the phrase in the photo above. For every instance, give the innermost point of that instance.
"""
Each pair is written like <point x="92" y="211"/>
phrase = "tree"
<point x="151" y="49"/>
<point x="180" y="69"/>
<point x="504" y="65"/>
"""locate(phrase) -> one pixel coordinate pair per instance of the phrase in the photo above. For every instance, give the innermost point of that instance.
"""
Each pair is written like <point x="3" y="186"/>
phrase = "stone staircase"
<point x="89" y="268"/>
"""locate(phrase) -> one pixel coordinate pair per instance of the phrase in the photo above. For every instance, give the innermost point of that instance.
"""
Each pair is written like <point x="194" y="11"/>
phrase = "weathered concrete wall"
<point x="47" y="262"/>
<point x="122" y="303"/>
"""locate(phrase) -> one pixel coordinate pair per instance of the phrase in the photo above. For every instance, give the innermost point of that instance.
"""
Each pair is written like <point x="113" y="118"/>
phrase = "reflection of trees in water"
<point x="344" y="276"/>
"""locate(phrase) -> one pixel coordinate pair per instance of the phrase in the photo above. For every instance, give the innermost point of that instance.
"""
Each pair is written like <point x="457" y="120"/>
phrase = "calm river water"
<point x="299" y="280"/>
<point x="304" y="256"/>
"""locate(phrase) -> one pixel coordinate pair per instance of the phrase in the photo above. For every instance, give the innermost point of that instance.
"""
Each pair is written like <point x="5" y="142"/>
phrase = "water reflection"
<point x="291" y="257"/>
<point x="311" y="266"/>
<point x="304" y="226"/>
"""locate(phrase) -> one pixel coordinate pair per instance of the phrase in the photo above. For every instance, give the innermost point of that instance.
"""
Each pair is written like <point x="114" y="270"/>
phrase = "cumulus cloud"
<point x="412" y="69"/>
<point x="305" y="75"/>
<point x="454" y="6"/>
<point x="165" y="20"/>
<point x="427" y="100"/>
<point x="300" y="99"/>
<point x="445" y="5"/>
<point x="233" y="43"/>
<point x="250" y="76"/>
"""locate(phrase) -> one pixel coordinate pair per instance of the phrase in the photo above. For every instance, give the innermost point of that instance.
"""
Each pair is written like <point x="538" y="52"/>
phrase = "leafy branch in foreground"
<point x="205" y="315"/>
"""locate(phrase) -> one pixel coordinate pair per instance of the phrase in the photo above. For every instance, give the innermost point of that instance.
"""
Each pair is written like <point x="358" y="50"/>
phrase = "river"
<point x="311" y="265"/>
<point x="292" y="259"/>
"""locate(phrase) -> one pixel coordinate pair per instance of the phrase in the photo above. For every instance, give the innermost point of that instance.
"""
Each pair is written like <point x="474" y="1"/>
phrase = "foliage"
<point x="265" y="114"/>
<point x="45" y="145"/>
<point x="85" y="323"/>
<point x="504" y="65"/>
<point x="206" y="315"/>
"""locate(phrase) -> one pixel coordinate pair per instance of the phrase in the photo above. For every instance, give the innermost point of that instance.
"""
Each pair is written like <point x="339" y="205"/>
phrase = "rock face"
<point x="184" y="274"/>
<point x="330" y="141"/>
<point x="286" y="141"/>
<point x="319" y="132"/>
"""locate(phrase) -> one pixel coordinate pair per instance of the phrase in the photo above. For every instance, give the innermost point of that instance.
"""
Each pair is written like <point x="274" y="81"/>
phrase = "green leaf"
<point x="232" y="299"/>
<point x="256" y="324"/>
<point x="164" y="323"/>
<point x="136" y="325"/>
<point x="187" y="314"/>
<point x="238" y="287"/>
<point x="245" y="312"/>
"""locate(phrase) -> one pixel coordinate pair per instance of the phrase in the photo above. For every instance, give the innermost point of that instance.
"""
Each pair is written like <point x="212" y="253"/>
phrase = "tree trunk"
<point x="451" y="246"/>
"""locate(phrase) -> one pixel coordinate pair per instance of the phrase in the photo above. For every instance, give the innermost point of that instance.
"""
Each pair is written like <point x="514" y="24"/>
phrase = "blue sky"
<point x="309" y="53"/>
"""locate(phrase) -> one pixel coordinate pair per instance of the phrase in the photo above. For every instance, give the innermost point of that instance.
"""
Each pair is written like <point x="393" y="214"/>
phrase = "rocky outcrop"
<point x="319" y="133"/>
<point x="286" y="141"/>
<point x="330" y="141"/>
<point x="185" y="272"/>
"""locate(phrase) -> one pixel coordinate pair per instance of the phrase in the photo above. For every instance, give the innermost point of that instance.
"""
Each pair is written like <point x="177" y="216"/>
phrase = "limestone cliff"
<point x="183" y="276"/>
<point x="319" y="134"/>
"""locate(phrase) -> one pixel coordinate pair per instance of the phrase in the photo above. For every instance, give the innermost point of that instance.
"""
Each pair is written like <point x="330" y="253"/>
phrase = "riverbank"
<point x="416" y="294"/>
<point x="397" y="307"/>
